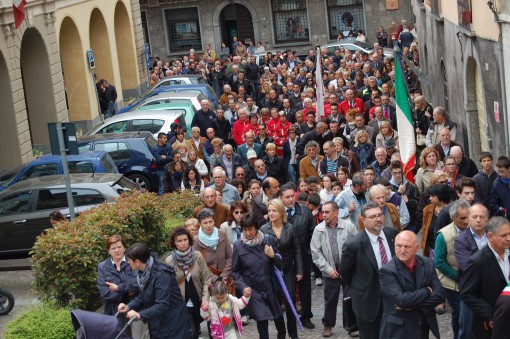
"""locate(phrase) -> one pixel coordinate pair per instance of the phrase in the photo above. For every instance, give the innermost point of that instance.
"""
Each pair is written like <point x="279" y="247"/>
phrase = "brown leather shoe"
<point x="326" y="332"/>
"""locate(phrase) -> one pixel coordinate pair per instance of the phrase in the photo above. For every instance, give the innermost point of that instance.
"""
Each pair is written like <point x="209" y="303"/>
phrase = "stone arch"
<point x="476" y="113"/>
<point x="100" y="45"/>
<point x="38" y="86"/>
<point x="217" y="24"/>
<point x="74" y="68"/>
<point x="125" y="48"/>
<point x="9" y="139"/>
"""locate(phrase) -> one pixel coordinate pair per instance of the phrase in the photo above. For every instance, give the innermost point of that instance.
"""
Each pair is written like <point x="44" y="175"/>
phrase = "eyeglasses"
<point x="238" y="212"/>
<point x="376" y="216"/>
<point x="262" y="129"/>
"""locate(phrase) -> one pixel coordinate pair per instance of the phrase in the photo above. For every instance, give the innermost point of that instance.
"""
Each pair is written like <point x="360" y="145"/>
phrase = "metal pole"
<point x="67" y="179"/>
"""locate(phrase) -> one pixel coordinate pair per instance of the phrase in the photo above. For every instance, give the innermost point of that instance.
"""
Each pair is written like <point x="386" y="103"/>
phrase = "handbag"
<point x="230" y="281"/>
<point x="348" y="317"/>
<point x="420" y="139"/>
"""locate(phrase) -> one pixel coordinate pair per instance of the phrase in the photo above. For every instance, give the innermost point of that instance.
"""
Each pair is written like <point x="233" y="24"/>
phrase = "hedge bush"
<point x="65" y="258"/>
<point x="41" y="321"/>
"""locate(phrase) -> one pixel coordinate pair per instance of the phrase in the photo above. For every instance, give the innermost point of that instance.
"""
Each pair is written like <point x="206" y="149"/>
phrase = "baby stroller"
<point x="91" y="325"/>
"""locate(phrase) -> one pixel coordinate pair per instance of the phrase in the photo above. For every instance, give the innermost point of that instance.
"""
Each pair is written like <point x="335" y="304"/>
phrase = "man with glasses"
<point x="263" y="139"/>
<point x="369" y="249"/>
<point x="240" y="174"/>
<point x="229" y="192"/>
<point x="466" y="166"/>
<point x="326" y="248"/>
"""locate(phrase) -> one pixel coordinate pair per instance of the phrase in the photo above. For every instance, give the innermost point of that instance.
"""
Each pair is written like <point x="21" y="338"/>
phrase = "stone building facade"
<point x="172" y="27"/>
<point x="44" y="72"/>
<point x="462" y="68"/>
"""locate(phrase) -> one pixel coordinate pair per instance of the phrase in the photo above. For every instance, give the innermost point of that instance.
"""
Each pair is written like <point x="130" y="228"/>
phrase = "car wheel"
<point x="141" y="180"/>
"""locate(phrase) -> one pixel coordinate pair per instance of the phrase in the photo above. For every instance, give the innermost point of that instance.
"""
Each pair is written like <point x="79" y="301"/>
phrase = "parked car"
<point x="356" y="46"/>
<point x="131" y="153"/>
<point x="183" y="79"/>
<point x="205" y="89"/>
<point x="152" y="103"/>
<point x="151" y="121"/>
<point x="25" y="207"/>
<point x="87" y="162"/>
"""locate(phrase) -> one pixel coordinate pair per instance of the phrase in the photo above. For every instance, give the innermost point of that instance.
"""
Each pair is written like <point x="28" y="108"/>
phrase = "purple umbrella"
<point x="287" y="296"/>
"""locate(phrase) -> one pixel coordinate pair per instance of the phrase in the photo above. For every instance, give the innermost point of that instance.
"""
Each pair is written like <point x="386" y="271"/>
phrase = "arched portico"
<point x="125" y="48"/>
<point x="38" y="86"/>
<point x="217" y="23"/>
<point x="75" y="69"/>
<point x="10" y="154"/>
<point x="100" y="45"/>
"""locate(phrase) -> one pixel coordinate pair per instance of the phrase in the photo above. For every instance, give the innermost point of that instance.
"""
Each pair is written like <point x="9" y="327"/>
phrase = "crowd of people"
<point x="308" y="193"/>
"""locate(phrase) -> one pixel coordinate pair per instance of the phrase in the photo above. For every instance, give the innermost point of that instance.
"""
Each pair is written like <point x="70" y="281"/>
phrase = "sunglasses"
<point x="238" y="212"/>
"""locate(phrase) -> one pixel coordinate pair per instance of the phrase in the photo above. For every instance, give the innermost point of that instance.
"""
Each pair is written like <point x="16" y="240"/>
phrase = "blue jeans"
<point x="292" y="169"/>
<point x="161" y="177"/>
<point x="111" y="109"/>
<point x="453" y="299"/>
<point x="466" y="321"/>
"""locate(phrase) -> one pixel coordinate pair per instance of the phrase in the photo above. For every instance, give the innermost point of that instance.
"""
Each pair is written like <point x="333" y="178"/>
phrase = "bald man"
<point x="221" y="211"/>
<point x="351" y="102"/>
<point x="410" y="290"/>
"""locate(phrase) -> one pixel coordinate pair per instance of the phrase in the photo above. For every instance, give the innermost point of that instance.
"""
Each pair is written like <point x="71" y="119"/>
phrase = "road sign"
<point x="90" y="58"/>
<point x="70" y="142"/>
<point x="147" y="55"/>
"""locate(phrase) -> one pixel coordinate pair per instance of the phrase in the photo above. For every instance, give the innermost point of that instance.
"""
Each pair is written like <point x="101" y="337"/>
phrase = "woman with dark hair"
<point x="56" y="217"/>
<point x="232" y="227"/>
<point x="115" y="278"/>
<point x="252" y="192"/>
<point x="439" y="198"/>
<point x="288" y="245"/>
<point x="192" y="181"/>
<point x="253" y="262"/>
<point x="240" y="185"/>
<point x="173" y="175"/>
<point x="159" y="302"/>
<point x="274" y="164"/>
<point x="191" y="273"/>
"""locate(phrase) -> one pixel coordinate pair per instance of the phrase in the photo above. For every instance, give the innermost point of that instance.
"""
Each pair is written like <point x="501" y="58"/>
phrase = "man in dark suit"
<point x="410" y="290"/>
<point x="362" y="257"/>
<point x="486" y="276"/>
<point x="303" y="222"/>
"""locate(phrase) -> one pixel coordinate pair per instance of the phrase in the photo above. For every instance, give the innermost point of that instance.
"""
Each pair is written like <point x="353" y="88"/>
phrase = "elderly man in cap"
<point x="249" y="168"/>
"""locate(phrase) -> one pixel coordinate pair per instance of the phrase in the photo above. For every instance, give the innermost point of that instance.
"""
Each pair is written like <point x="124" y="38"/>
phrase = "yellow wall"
<point x="80" y="13"/>
<point x="449" y="11"/>
<point x="483" y="21"/>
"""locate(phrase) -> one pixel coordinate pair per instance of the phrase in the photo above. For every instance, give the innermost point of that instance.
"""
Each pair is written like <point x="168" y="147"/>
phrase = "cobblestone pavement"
<point x="20" y="284"/>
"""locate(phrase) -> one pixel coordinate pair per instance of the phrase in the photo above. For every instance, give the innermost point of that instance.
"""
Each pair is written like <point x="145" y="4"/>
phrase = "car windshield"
<point x="362" y="45"/>
<point x="198" y="80"/>
<point x="124" y="185"/>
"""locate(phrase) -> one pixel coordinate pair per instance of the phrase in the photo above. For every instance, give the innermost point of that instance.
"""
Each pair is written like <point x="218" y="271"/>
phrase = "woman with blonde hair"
<point x="288" y="244"/>
<point x="429" y="162"/>
<point x="385" y="132"/>
<point x="183" y="149"/>
<point x="349" y="121"/>
<point x="217" y="145"/>
<point x="364" y="149"/>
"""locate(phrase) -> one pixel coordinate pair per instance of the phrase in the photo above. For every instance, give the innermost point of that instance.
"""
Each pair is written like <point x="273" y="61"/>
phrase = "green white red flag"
<point x="406" y="135"/>
<point x="319" y="88"/>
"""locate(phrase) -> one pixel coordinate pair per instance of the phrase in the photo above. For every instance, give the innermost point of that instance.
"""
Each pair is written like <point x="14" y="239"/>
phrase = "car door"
<point x="119" y="151"/>
<point x="15" y="232"/>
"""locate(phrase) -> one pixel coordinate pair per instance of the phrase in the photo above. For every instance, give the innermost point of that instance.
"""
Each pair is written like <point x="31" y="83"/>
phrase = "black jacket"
<point x="288" y="246"/>
<point x="483" y="281"/>
<point x="483" y="187"/>
<point x="160" y="305"/>
<point x="276" y="169"/>
<point x="222" y="128"/>
<point x="467" y="167"/>
<point x="310" y="136"/>
<point x="203" y="120"/>
<point x="304" y="223"/>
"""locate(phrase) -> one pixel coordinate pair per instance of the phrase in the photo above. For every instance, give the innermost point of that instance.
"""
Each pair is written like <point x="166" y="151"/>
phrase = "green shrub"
<point x="41" y="321"/>
<point x="65" y="258"/>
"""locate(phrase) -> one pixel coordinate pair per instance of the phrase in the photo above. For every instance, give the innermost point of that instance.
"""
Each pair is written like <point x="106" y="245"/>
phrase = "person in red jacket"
<point x="271" y="124"/>
<point x="351" y="102"/>
<point x="239" y="126"/>
<point x="281" y="132"/>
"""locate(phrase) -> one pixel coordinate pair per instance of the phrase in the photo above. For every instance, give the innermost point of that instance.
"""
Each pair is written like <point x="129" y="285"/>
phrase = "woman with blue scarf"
<point x="191" y="273"/>
<point x="214" y="246"/>
<point x="159" y="302"/>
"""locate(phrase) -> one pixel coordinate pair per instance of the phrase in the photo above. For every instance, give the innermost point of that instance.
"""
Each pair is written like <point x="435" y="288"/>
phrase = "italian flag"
<point x="319" y="88"/>
<point x="18" y="8"/>
<point x="406" y="136"/>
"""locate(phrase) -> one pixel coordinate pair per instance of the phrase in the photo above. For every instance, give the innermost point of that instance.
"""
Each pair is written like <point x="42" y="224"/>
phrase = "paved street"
<point x="20" y="284"/>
